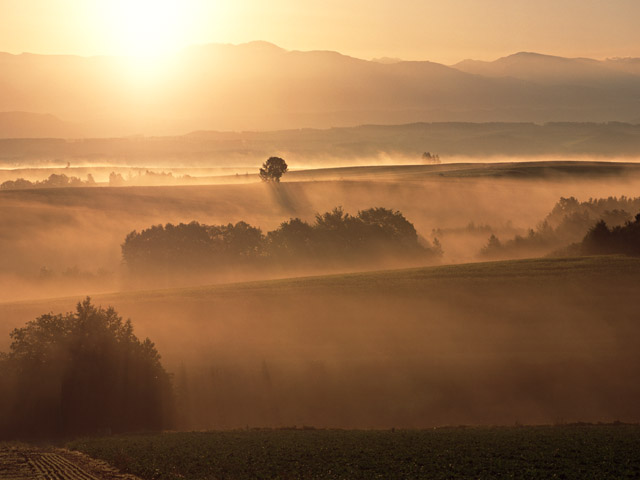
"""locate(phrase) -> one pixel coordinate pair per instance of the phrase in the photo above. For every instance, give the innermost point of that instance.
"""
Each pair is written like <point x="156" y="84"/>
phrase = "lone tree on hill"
<point x="273" y="169"/>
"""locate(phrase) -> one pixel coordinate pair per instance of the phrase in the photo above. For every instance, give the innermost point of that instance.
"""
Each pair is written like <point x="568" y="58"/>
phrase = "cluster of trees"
<point x="469" y="228"/>
<point x="432" y="158"/>
<point x="146" y="178"/>
<point x="335" y="236"/>
<point x="82" y="373"/>
<point x="191" y="246"/>
<point x="74" y="272"/>
<point x="623" y="239"/>
<point x="54" y="181"/>
<point x="567" y="223"/>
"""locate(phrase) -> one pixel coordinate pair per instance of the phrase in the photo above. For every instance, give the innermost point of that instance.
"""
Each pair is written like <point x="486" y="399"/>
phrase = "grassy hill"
<point x="548" y="170"/>
<point x="411" y="282"/>
<point x="533" y="341"/>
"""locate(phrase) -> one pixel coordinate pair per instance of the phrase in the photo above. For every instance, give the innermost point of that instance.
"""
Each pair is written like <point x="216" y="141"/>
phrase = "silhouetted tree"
<point x="273" y="169"/>
<point x="242" y="240"/>
<point x="116" y="179"/>
<point x="623" y="239"/>
<point x="598" y="239"/>
<point x="437" y="248"/>
<point x="493" y="247"/>
<point x="83" y="372"/>
<point x="429" y="157"/>
<point x="292" y="238"/>
<point x="389" y="226"/>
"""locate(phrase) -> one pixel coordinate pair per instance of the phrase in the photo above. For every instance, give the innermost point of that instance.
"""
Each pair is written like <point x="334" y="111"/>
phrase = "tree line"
<point x="622" y="239"/>
<point x="334" y="237"/>
<point x="53" y="181"/>
<point x="567" y="223"/>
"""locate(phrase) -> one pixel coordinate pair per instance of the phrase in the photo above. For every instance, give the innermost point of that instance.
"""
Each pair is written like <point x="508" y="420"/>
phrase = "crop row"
<point x="571" y="452"/>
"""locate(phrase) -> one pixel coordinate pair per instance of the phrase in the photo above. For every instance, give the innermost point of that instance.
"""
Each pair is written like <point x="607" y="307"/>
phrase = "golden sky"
<point x="445" y="31"/>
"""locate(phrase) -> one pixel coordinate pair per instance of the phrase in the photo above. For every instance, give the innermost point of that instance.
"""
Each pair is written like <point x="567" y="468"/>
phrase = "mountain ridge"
<point x="261" y="86"/>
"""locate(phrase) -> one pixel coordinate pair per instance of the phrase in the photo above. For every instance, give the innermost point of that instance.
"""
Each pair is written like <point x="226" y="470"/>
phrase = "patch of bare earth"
<point x="22" y="462"/>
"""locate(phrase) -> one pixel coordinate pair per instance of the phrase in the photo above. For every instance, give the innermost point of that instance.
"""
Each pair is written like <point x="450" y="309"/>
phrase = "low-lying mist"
<point x="544" y="341"/>
<point x="67" y="241"/>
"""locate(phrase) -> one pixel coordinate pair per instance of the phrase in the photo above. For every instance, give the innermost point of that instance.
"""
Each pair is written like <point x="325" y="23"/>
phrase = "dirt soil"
<point x="22" y="462"/>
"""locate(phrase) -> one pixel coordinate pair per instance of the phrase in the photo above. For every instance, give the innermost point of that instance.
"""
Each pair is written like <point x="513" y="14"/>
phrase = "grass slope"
<point x="406" y="281"/>
<point x="531" y="170"/>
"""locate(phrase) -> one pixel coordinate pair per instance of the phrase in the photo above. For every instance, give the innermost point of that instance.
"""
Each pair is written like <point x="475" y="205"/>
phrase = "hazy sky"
<point x="440" y="30"/>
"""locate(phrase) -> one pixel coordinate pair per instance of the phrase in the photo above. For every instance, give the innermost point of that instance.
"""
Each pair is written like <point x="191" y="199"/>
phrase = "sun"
<point x="148" y="27"/>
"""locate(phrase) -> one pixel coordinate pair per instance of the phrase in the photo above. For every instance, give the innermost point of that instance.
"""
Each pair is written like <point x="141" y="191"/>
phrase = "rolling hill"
<point x="532" y="341"/>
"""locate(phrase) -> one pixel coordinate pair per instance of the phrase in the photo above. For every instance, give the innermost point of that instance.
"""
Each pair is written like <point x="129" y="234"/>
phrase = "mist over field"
<point x="59" y="241"/>
<point x="404" y="349"/>
<point x="319" y="240"/>
<point x="486" y="343"/>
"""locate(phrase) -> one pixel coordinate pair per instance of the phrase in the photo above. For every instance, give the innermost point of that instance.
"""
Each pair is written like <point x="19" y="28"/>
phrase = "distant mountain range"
<point x="25" y="124"/>
<point x="259" y="86"/>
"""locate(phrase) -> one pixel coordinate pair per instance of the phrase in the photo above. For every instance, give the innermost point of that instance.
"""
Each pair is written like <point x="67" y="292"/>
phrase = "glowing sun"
<point x="148" y="27"/>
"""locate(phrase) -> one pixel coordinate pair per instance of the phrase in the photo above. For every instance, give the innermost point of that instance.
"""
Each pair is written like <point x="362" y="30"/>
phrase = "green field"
<point x="570" y="452"/>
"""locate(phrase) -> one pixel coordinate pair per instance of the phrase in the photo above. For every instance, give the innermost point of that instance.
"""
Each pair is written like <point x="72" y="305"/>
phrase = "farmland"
<point x="21" y="461"/>
<point x="570" y="452"/>
<point x="366" y="243"/>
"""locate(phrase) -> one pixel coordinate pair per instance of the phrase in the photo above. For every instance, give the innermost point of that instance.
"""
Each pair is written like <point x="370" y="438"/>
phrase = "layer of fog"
<point x="187" y="171"/>
<point x="497" y="345"/>
<point x="67" y="241"/>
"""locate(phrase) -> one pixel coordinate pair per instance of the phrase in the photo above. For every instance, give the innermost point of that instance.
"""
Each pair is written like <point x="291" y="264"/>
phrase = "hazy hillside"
<point x="366" y="144"/>
<point x="491" y="343"/>
<point x="260" y="86"/>
<point x="33" y="125"/>
<point x="551" y="70"/>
